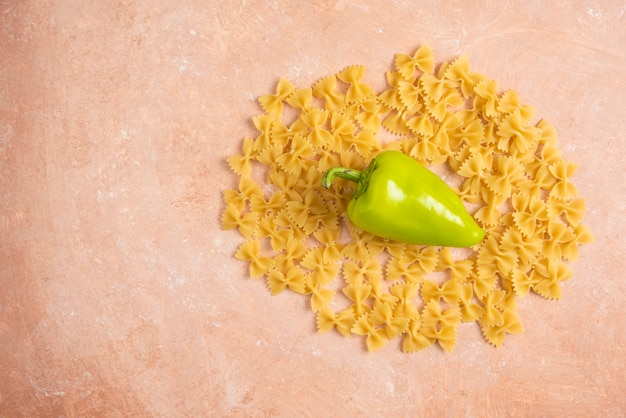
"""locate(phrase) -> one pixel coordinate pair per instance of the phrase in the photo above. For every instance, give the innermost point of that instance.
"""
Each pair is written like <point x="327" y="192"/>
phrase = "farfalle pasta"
<point x="507" y="169"/>
<point x="423" y="61"/>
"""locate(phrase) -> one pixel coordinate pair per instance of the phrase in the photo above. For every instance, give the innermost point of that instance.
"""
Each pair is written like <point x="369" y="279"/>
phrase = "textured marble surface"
<point x="119" y="293"/>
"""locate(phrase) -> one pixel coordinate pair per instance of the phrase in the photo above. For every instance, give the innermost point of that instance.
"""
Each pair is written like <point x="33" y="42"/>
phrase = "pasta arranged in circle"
<point x="508" y="170"/>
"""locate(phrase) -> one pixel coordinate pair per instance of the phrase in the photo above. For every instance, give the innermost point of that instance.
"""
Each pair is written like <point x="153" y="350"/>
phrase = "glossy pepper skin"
<point x="398" y="198"/>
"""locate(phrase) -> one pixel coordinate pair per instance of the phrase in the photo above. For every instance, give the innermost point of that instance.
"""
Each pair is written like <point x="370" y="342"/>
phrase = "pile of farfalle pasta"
<point x="507" y="169"/>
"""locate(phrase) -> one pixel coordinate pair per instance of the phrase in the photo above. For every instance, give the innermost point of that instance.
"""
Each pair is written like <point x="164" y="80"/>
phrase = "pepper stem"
<point x="341" y="172"/>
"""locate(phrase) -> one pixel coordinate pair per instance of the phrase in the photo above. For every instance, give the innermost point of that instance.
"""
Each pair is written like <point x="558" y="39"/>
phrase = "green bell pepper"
<point x="398" y="198"/>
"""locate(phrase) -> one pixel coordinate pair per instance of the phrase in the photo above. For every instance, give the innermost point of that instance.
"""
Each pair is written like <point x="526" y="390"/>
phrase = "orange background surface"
<point x="119" y="292"/>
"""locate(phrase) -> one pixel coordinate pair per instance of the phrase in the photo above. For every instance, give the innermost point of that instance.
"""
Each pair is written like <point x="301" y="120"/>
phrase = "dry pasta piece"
<point x="529" y="213"/>
<point x="283" y="263"/>
<point x="522" y="283"/>
<point x="459" y="269"/>
<point x="391" y="98"/>
<point x="548" y="132"/>
<point x="320" y="297"/>
<point x="278" y="282"/>
<point x="359" y="294"/>
<point x="272" y="205"/>
<point x="445" y="336"/>
<point x="396" y="269"/>
<point x="409" y="95"/>
<point x="263" y="123"/>
<point x="342" y="128"/>
<point x="476" y="165"/>
<point x="332" y="248"/>
<point x="582" y="236"/>
<point x="507" y="173"/>
<point x="470" y="311"/>
<point x="569" y="250"/>
<point x="483" y="279"/>
<point x="309" y="176"/>
<point x="449" y="291"/>
<point x="492" y="316"/>
<point x="563" y="189"/>
<point x="422" y="149"/>
<point x="294" y="248"/>
<point x="362" y="143"/>
<point x="510" y="102"/>
<point x="470" y="132"/>
<point x="282" y="220"/>
<point x="573" y="210"/>
<point x="452" y="99"/>
<point x="376" y="337"/>
<point x="529" y="188"/>
<point x="486" y="99"/>
<point x="421" y="125"/>
<point x="470" y="194"/>
<point x="426" y="256"/>
<point x="268" y="155"/>
<point x="248" y="189"/>
<point x="516" y="136"/>
<point x="301" y="99"/>
<point x="367" y="116"/>
<point x="492" y="253"/>
<point x="357" y="272"/>
<point x="547" y="275"/>
<point x="528" y="248"/>
<point x="291" y="161"/>
<point x="233" y="218"/>
<point x="377" y="245"/>
<point x="559" y="234"/>
<point x="449" y="124"/>
<point x="405" y="292"/>
<point x="240" y="164"/>
<point x="472" y="188"/>
<point x="434" y="87"/>
<point x="490" y="138"/>
<point x="509" y="302"/>
<point x="414" y="272"/>
<point x="415" y="340"/>
<point x="357" y="91"/>
<point x="542" y="179"/>
<point x="285" y="183"/>
<point x="510" y="325"/>
<point x="251" y="251"/>
<point x="395" y="122"/>
<point x="280" y="134"/>
<point x="458" y="70"/>
<point x="326" y="89"/>
<point x="357" y="250"/>
<point x="325" y="272"/>
<point x="379" y="292"/>
<point x="352" y="110"/>
<point x="342" y="321"/>
<point x="550" y="154"/>
<point x="490" y="215"/>
<point x="433" y="315"/>
<point x="351" y="159"/>
<point x="279" y="238"/>
<point x="307" y="214"/>
<point x="423" y="60"/>
<point x="436" y="109"/>
<point x="315" y="119"/>
<point x="382" y="314"/>
<point x="273" y="103"/>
